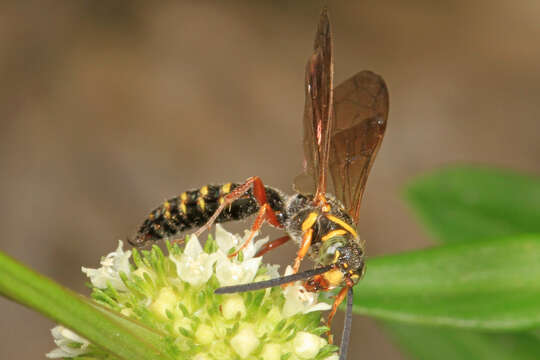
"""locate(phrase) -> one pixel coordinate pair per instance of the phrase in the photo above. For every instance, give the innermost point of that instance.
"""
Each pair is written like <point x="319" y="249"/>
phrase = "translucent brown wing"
<point x="318" y="111"/>
<point x="360" y="116"/>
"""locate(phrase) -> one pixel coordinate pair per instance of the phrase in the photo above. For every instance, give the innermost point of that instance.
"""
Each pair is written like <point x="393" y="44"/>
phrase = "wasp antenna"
<point x="345" y="337"/>
<point x="272" y="282"/>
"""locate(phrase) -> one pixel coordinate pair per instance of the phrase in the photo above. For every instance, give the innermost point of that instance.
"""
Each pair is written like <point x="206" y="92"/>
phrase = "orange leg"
<point x="338" y="300"/>
<point x="272" y="245"/>
<point x="258" y="192"/>
<point x="260" y="195"/>
<point x="254" y="228"/>
<point x="304" y="247"/>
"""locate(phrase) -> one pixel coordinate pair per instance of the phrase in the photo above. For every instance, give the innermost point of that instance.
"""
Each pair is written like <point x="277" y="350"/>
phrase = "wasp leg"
<point x="304" y="247"/>
<point x="258" y="192"/>
<point x="259" y="220"/>
<point x="272" y="245"/>
<point x="338" y="300"/>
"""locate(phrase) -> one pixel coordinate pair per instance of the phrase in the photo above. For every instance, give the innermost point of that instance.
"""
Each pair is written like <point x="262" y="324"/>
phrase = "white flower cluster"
<point x="195" y="266"/>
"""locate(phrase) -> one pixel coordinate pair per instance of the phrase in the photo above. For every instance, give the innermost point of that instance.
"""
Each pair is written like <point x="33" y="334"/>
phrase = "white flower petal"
<point x="250" y="268"/>
<point x="288" y="270"/>
<point x="193" y="247"/>
<point x="224" y="239"/>
<point x="69" y="344"/>
<point x="204" y="334"/>
<point x="121" y="258"/>
<point x="271" y="351"/>
<point x="299" y="300"/>
<point x="251" y="249"/>
<point x="245" y="341"/>
<point x="58" y="354"/>
<point x="71" y="336"/>
<point x="232" y="306"/>
<point x="229" y="273"/>
<point x="194" y="266"/>
<point x="111" y="266"/>
<point x="318" y="307"/>
<point x="273" y="270"/>
<point x="307" y="345"/>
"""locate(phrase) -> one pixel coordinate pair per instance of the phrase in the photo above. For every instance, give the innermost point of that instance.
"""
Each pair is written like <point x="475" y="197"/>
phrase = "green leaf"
<point x="426" y="343"/>
<point x="470" y="204"/>
<point x="488" y="285"/>
<point x="65" y="307"/>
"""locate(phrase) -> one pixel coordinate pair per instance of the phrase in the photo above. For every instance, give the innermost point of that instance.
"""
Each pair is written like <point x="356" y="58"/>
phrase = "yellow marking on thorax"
<point x="183" y="197"/>
<point x="334" y="277"/>
<point x="226" y="188"/>
<point x="204" y="191"/>
<point x="201" y="203"/>
<point x="343" y="224"/>
<point x="167" y="205"/>
<point x="334" y="233"/>
<point x="310" y="220"/>
<point x="183" y="207"/>
<point x="336" y="257"/>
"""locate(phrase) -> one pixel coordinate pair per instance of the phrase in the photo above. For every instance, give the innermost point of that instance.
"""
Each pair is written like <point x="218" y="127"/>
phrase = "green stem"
<point x="65" y="307"/>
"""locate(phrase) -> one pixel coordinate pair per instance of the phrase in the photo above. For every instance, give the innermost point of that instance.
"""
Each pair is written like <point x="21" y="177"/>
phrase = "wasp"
<point x="343" y="130"/>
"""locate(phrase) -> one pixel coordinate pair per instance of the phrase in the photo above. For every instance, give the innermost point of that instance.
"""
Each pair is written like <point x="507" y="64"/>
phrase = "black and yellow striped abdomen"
<point x="193" y="208"/>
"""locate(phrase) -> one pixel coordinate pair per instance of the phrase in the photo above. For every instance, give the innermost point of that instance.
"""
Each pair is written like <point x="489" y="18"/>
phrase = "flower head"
<point x="175" y="295"/>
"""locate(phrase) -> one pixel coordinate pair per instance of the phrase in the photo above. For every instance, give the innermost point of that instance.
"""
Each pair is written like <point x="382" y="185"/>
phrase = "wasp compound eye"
<point x="330" y="250"/>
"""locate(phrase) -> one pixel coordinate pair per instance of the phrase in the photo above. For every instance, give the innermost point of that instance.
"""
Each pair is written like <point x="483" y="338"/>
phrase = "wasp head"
<point x="347" y="257"/>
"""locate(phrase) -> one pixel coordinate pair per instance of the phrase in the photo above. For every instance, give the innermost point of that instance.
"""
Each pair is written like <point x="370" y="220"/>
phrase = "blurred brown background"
<point x="109" y="107"/>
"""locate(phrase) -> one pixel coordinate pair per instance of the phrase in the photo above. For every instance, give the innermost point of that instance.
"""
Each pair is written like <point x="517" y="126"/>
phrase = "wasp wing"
<point x="318" y="111"/>
<point x="360" y="116"/>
